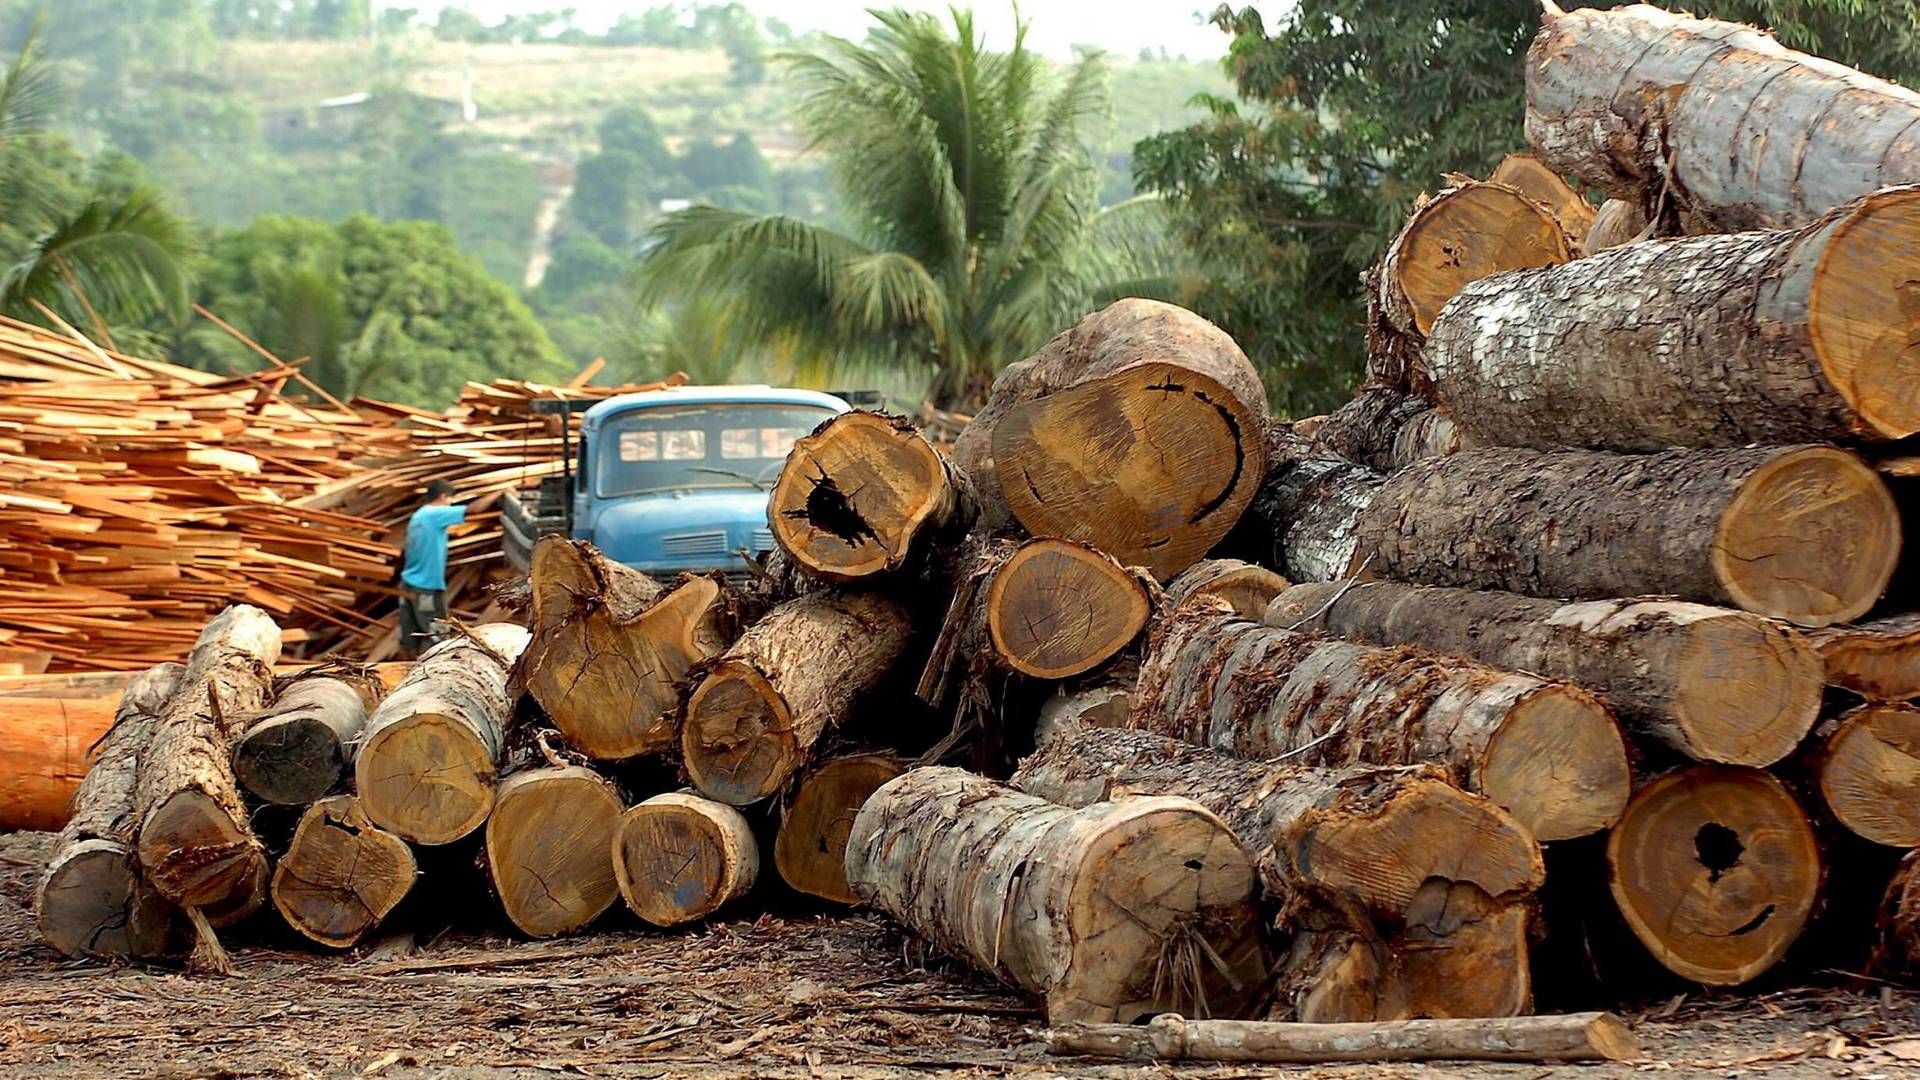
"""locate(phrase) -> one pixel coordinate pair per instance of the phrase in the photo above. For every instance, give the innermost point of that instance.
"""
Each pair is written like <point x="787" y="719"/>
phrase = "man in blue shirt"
<point x="423" y="578"/>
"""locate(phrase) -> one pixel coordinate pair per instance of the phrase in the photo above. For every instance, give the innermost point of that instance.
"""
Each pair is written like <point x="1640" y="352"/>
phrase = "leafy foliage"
<point x="1348" y="110"/>
<point x="970" y="197"/>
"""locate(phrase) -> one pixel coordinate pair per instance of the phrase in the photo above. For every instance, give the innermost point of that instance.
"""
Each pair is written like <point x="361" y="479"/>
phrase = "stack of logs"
<point x="1578" y="629"/>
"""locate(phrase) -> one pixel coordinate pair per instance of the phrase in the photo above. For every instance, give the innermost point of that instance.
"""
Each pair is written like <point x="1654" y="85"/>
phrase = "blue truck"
<point x="670" y="481"/>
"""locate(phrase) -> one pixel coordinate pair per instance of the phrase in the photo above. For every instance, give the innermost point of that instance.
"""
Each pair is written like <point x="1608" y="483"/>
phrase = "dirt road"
<point x="795" y="997"/>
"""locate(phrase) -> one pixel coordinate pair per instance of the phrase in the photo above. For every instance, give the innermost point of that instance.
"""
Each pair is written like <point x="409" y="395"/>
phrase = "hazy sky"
<point x="1119" y="26"/>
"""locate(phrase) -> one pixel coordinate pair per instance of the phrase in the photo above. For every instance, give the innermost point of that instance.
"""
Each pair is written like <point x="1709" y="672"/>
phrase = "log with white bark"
<point x="1711" y="683"/>
<point x="863" y="495"/>
<point x="426" y="768"/>
<point x="1798" y="335"/>
<point x="91" y="900"/>
<point x="1716" y="870"/>
<point x="296" y="751"/>
<point x="1370" y="835"/>
<point x="1386" y="429"/>
<point x="1111" y="912"/>
<point x="756" y="716"/>
<point x="1572" y="1037"/>
<point x="1136" y="431"/>
<point x="1809" y="534"/>
<point x="1548" y="752"/>
<point x="610" y="647"/>
<point x="196" y="844"/>
<point x="1733" y="129"/>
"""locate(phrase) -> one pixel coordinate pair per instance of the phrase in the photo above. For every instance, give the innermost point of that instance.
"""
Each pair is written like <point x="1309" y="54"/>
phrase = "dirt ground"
<point x="775" y="997"/>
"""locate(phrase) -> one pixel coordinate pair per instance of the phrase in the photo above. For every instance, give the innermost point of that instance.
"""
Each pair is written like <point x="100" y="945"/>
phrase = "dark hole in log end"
<point x="1718" y="848"/>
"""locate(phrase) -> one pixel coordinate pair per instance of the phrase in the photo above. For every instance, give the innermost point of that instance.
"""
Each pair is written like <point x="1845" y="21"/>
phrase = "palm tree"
<point x="972" y="202"/>
<point x="115" y="257"/>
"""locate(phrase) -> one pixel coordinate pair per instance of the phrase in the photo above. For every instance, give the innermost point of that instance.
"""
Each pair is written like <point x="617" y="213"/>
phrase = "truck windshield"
<point x="699" y="446"/>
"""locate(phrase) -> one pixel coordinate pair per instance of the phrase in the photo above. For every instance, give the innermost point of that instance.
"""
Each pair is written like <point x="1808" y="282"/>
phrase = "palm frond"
<point x="30" y="89"/>
<point x="120" y="258"/>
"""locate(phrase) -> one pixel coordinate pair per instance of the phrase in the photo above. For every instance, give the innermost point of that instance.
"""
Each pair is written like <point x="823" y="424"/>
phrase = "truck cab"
<point x="671" y="481"/>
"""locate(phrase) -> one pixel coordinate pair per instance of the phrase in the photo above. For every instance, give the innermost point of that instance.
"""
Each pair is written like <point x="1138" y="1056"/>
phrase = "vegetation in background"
<point x="974" y="230"/>
<point x="1347" y="110"/>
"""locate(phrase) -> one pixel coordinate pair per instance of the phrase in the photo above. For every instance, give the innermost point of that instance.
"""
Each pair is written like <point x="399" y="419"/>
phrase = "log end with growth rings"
<point x="1057" y="609"/>
<point x="193" y="853"/>
<point x="679" y="857"/>
<point x="289" y="761"/>
<point x="1868" y="769"/>
<point x="1716" y="870"/>
<point x="428" y="778"/>
<point x="810" y="850"/>
<point x="1558" y="764"/>
<point x="1812" y="537"/>
<point x="856" y="493"/>
<point x="550" y="848"/>
<point x="1746" y="690"/>
<point x="1864" y="311"/>
<point x="1468" y="233"/>
<point x="341" y="875"/>
<point x="91" y="902"/>
<point x="738" y="743"/>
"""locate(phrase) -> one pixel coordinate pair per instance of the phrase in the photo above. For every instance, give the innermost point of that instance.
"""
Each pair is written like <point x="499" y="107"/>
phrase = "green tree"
<point x="608" y="195"/>
<point x="631" y="129"/>
<point x="1347" y="110"/>
<point x="388" y="309"/>
<point x="974" y="231"/>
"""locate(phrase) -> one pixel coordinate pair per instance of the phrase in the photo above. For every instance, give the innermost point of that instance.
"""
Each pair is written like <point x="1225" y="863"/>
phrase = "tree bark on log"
<point x="1386" y="430"/>
<point x="1111" y="912"/>
<point x="1866" y="764"/>
<point x="1246" y="587"/>
<point x="1532" y="178"/>
<point x="1808" y="534"/>
<point x="611" y="646"/>
<point x="1588" y="1036"/>
<point x="810" y="850"/>
<point x="864" y="494"/>
<point x="1710" y="683"/>
<point x="1136" y="431"/>
<point x="426" y="767"/>
<point x="341" y="875"/>
<point x="1879" y="660"/>
<point x="1056" y="609"/>
<point x="1737" y="131"/>
<point x="1716" y="870"/>
<point x="1366" y="835"/>
<point x="1458" y="236"/>
<point x="295" y="751"/>
<point x="1704" y="341"/>
<point x="754" y="719"/>
<point x="195" y="844"/>
<point x="91" y="899"/>
<point x="550" y="845"/>
<point x="679" y="858"/>
<point x="1549" y="753"/>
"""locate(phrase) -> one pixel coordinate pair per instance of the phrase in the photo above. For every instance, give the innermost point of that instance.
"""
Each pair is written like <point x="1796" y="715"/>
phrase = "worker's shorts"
<point x="420" y="615"/>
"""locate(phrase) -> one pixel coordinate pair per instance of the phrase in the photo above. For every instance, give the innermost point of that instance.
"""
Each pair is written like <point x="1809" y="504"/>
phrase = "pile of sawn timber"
<point x="1545" y="654"/>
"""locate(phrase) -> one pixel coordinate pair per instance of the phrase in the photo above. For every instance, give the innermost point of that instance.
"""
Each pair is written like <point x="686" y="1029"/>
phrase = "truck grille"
<point x="762" y="540"/>
<point x="690" y="544"/>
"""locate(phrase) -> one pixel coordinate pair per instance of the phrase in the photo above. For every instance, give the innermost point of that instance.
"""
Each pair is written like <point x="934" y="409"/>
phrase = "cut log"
<point x="1102" y="706"/>
<point x="1365" y="835"/>
<point x="611" y="646"/>
<point x="1616" y="224"/>
<point x="296" y="751"/>
<point x="1056" y="609"/>
<point x="754" y="719"/>
<point x="810" y="850"/>
<point x="1574" y="1037"/>
<point x="1533" y="179"/>
<point x="1736" y="130"/>
<point x="550" y="844"/>
<point x="1761" y="337"/>
<point x="1246" y="587"/>
<point x="1716" y="870"/>
<point x="91" y="900"/>
<point x="1879" y="660"/>
<point x="679" y="858"/>
<point x="863" y="494"/>
<point x="1456" y="237"/>
<point x="1137" y="431"/>
<point x="426" y="767"/>
<point x="195" y="844"/>
<point x="1711" y="683"/>
<point x="1386" y="429"/>
<point x="341" y="875"/>
<point x="1866" y="764"/>
<point x="1548" y="752"/>
<point x="1112" y="912"/>
<point x="1896" y="954"/>
<point x="1807" y="534"/>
